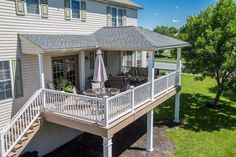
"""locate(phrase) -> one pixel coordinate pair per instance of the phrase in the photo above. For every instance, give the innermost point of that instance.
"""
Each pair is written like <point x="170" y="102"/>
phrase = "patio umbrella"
<point x="100" y="74"/>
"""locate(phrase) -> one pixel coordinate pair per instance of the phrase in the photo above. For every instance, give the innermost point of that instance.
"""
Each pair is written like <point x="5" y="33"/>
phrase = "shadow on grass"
<point x="229" y="94"/>
<point x="196" y="116"/>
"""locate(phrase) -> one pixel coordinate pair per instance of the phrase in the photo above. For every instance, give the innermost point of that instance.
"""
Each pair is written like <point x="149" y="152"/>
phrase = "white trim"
<point x="32" y="14"/>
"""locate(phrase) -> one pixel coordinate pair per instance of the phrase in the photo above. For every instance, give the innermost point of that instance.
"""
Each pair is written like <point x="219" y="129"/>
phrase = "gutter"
<point x="120" y="4"/>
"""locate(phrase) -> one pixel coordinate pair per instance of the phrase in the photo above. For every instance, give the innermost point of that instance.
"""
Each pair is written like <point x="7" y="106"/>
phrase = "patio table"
<point x="101" y="92"/>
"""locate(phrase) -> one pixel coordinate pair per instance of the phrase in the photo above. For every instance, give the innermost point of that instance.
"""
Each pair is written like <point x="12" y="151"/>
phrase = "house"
<point x="41" y="41"/>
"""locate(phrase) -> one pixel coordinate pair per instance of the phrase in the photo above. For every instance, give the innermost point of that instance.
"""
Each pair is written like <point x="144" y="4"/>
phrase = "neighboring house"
<point x="41" y="41"/>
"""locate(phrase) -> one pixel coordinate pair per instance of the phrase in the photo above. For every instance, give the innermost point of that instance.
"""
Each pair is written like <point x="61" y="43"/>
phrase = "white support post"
<point x="82" y="70"/>
<point x="42" y="82"/>
<point x="151" y="72"/>
<point x="132" y="97"/>
<point x="41" y="71"/>
<point x="149" y="146"/>
<point x="178" y="83"/>
<point x="177" y="103"/>
<point x="107" y="147"/>
<point x="178" y="67"/>
<point x="106" y="103"/>
<point x="2" y="151"/>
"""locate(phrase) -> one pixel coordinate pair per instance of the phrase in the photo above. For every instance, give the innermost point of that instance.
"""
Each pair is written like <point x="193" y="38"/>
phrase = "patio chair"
<point x="96" y="85"/>
<point x="51" y="86"/>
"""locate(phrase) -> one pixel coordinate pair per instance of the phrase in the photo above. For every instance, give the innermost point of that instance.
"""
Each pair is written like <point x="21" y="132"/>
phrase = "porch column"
<point x="178" y="66"/>
<point x="151" y="72"/>
<point x="149" y="146"/>
<point x="41" y="70"/>
<point x="82" y="70"/>
<point x="178" y="83"/>
<point x="107" y="147"/>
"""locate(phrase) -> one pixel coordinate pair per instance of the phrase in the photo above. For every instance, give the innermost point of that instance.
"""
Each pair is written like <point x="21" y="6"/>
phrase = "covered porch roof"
<point x="128" y="38"/>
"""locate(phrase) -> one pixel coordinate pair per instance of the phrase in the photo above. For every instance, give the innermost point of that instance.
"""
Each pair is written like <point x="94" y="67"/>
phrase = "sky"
<point x="169" y="12"/>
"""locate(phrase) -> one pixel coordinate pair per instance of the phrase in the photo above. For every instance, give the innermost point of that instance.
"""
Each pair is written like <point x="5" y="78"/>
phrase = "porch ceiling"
<point x="128" y="38"/>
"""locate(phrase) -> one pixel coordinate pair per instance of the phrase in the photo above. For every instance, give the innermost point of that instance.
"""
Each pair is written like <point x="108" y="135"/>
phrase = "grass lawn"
<point x="204" y="132"/>
<point x="167" y="57"/>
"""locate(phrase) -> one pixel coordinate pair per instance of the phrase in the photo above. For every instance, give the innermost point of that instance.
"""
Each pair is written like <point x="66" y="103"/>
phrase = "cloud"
<point x="175" y="21"/>
<point x="156" y="14"/>
<point x="176" y="7"/>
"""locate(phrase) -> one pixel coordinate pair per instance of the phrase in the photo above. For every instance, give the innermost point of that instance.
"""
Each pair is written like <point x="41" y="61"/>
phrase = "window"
<point x="5" y="80"/>
<point x="114" y="17"/>
<point x="75" y="8"/>
<point x="139" y="58"/>
<point x="66" y="68"/>
<point x="117" y="15"/>
<point x="127" y="59"/>
<point x="32" y="6"/>
<point x="120" y="14"/>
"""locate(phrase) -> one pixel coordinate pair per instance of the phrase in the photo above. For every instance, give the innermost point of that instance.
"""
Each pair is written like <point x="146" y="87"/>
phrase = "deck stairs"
<point x="22" y="128"/>
<point x="23" y="142"/>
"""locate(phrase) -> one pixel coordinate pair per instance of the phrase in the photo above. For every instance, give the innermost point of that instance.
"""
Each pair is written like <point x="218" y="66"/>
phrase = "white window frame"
<point x="117" y="16"/>
<point x="31" y="14"/>
<point x="72" y="9"/>
<point x="12" y="83"/>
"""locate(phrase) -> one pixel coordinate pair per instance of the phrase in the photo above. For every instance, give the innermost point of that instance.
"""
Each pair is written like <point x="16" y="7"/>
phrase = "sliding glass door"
<point x="66" y="67"/>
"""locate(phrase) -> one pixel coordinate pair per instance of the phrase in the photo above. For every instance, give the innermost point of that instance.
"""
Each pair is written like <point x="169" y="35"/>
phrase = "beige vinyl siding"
<point x="11" y="25"/>
<point x="5" y="113"/>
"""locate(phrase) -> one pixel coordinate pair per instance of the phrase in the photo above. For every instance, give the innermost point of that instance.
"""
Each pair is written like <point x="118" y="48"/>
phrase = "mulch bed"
<point x="129" y="142"/>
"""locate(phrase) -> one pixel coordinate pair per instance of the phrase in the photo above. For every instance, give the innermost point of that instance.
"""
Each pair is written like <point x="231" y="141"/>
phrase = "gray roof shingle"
<point x="107" y="38"/>
<point x="46" y="41"/>
<point x="134" y="38"/>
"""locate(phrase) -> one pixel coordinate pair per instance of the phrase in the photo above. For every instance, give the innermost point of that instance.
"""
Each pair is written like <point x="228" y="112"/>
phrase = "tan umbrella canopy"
<point x="100" y="74"/>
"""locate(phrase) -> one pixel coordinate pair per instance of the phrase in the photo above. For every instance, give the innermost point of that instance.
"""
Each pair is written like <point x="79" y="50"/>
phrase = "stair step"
<point x="34" y="125"/>
<point x="24" y="138"/>
<point x="18" y="146"/>
<point x="11" y="154"/>
<point x="29" y="131"/>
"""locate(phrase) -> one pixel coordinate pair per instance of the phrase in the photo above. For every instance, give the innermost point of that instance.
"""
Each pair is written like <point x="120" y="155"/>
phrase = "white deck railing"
<point x="105" y="111"/>
<point x="97" y="110"/>
<point x="79" y="106"/>
<point x="20" y="123"/>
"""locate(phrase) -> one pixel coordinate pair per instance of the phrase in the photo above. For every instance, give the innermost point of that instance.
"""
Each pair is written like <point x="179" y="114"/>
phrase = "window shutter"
<point x="83" y="11"/>
<point x="20" y="8"/>
<point x="18" y="86"/>
<point x="124" y="18"/>
<point x="109" y="17"/>
<point x="67" y="9"/>
<point x="44" y="8"/>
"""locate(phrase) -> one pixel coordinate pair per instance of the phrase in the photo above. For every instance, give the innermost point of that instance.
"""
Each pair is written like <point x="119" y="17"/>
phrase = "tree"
<point x="168" y="31"/>
<point x="165" y="30"/>
<point x="212" y="34"/>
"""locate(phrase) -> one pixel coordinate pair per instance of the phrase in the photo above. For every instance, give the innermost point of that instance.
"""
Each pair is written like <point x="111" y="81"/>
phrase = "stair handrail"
<point x="18" y="114"/>
<point x="4" y="151"/>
